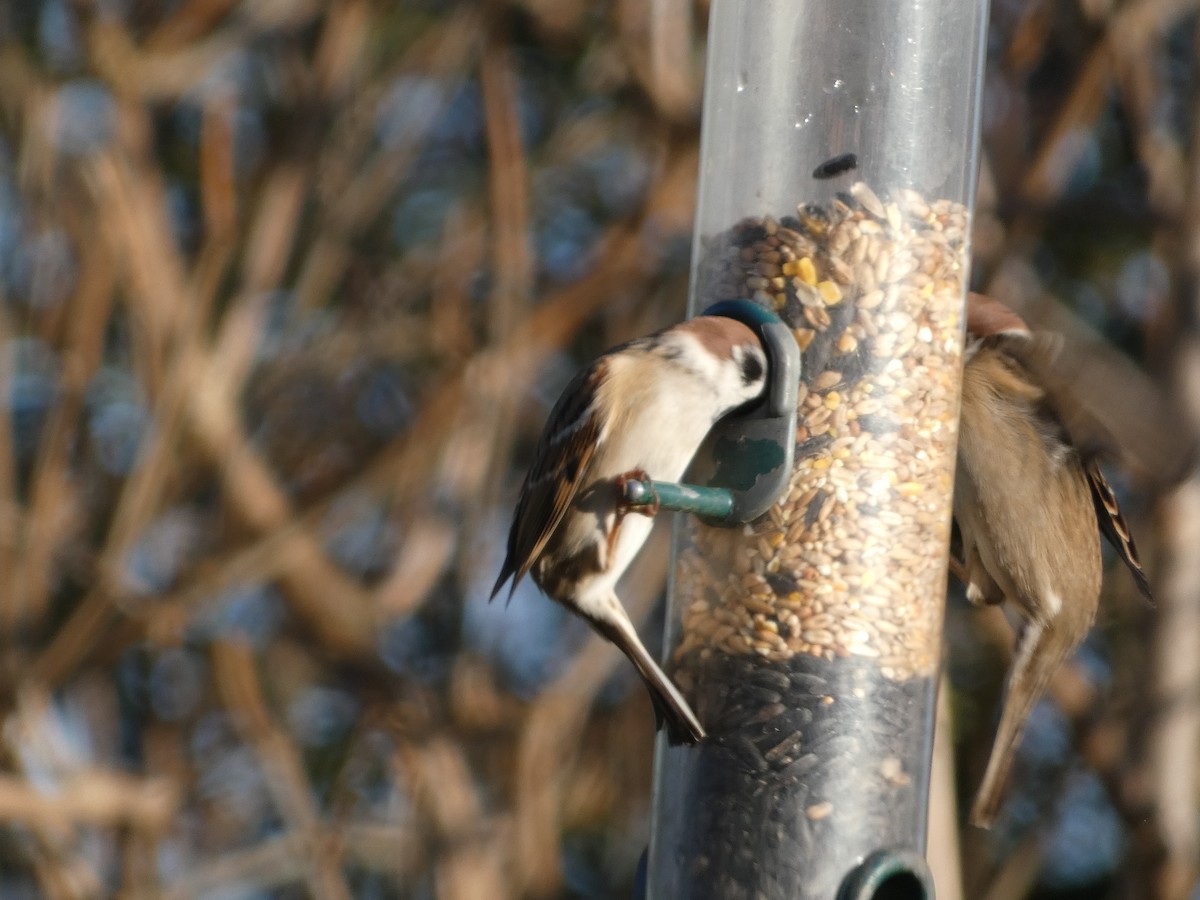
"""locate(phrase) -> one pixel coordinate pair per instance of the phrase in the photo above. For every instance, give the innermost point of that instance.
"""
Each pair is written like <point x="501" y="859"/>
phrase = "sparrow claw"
<point x="959" y="570"/>
<point x="624" y="504"/>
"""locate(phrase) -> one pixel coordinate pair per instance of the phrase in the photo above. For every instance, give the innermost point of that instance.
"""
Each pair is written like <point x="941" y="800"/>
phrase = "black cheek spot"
<point x="752" y="369"/>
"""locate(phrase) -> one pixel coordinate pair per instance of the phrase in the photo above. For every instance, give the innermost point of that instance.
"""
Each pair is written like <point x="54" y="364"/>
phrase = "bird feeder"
<point x="746" y="461"/>
<point x="838" y="161"/>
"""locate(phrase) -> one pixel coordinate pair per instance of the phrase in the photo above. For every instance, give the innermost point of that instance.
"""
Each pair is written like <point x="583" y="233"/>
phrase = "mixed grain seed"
<point x="809" y="639"/>
<point x="851" y="562"/>
<point x="837" y="165"/>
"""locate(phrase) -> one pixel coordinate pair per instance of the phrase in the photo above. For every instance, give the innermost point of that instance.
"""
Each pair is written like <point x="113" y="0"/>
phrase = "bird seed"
<point x="875" y="298"/>
<point x="808" y="640"/>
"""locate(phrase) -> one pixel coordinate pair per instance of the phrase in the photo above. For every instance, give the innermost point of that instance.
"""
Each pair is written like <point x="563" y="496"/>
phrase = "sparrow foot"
<point x="627" y="505"/>
<point x="981" y="589"/>
<point x="958" y="570"/>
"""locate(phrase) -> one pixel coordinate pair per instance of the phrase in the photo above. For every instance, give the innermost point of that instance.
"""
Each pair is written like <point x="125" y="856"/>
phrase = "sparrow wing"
<point x="1065" y="422"/>
<point x="1013" y="374"/>
<point x="1039" y="354"/>
<point x="1114" y="527"/>
<point x="568" y="443"/>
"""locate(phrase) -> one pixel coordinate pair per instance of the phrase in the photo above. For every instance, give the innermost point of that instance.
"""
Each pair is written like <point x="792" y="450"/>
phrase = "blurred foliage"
<point x="286" y="292"/>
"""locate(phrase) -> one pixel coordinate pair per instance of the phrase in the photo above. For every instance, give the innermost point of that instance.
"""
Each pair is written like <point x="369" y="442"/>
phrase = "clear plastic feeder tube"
<point x="809" y="640"/>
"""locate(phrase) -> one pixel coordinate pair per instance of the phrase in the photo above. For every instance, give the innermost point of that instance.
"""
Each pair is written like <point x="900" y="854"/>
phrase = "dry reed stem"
<point x="192" y="20"/>
<point x="508" y="182"/>
<point x="149" y="75"/>
<point x="326" y="599"/>
<point x="160" y="291"/>
<point x="420" y="563"/>
<point x="382" y="846"/>
<point x="282" y="768"/>
<point x="36" y="744"/>
<point x="63" y="876"/>
<point x="92" y="797"/>
<point x="945" y="859"/>
<point x="216" y="173"/>
<point x="1018" y="872"/>
<point x="140" y="236"/>
<point x="139" y="867"/>
<point x="659" y="37"/>
<point x="474" y="872"/>
<point x="272" y="863"/>
<point x="487" y="419"/>
<point x="1120" y="56"/>
<point x="53" y="509"/>
<point x="472" y="863"/>
<point x="11" y="514"/>
<point x="1027" y="44"/>
<point x="342" y="51"/>
<point x="1175" y="737"/>
<point x="355" y="190"/>
<point x="442" y="786"/>
<point x="48" y="519"/>
<point x="1060" y="151"/>
<point x="626" y="261"/>
<point x="460" y="255"/>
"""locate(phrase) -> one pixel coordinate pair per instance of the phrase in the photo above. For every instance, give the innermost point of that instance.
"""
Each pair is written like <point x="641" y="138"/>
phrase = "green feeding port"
<point x="744" y="465"/>
<point x="889" y="875"/>
<point x="709" y="503"/>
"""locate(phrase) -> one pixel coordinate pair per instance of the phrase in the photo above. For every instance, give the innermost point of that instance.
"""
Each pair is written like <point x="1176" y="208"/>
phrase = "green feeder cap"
<point x="750" y="452"/>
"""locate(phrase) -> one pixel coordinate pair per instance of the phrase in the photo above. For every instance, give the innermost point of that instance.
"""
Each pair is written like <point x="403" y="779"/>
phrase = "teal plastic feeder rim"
<point x="889" y="875"/>
<point x="783" y="354"/>
<point x="750" y="453"/>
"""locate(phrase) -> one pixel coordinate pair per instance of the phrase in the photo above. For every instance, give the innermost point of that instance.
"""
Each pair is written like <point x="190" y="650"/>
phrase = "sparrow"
<point x="639" y="411"/>
<point x="1031" y="503"/>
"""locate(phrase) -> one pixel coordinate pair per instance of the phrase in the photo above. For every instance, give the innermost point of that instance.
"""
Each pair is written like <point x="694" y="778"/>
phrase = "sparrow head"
<point x="991" y="323"/>
<point x="987" y="317"/>
<point x="725" y="354"/>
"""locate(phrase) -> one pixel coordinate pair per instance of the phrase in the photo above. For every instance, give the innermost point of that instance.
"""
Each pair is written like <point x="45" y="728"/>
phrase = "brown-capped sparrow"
<point x="639" y="411"/>
<point x="1030" y="502"/>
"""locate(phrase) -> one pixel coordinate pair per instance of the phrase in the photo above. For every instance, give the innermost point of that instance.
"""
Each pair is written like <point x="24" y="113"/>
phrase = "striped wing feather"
<point x="564" y="452"/>
<point x="1038" y="353"/>
<point x="1114" y="527"/>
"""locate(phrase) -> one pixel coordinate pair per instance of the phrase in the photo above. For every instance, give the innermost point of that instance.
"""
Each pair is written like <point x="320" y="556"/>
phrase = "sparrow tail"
<point x="505" y="572"/>
<point x="670" y="708"/>
<point x="1034" y="664"/>
<point x="499" y="584"/>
